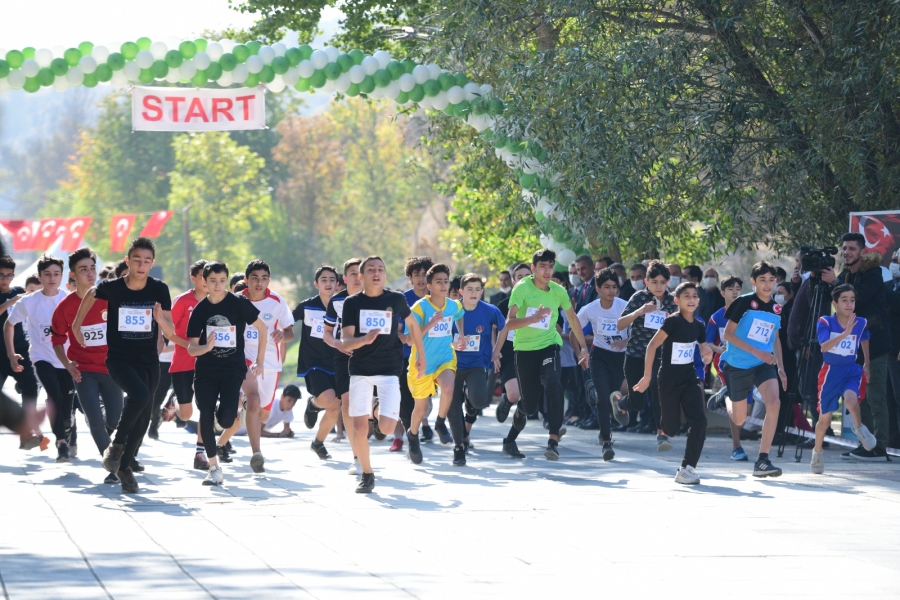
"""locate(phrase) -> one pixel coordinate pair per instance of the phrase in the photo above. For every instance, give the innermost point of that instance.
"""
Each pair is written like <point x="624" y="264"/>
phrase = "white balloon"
<point x="343" y="83"/>
<point x="226" y="79"/>
<point x="370" y="64"/>
<point x="100" y="54"/>
<point x="425" y="103"/>
<point x="377" y="94"/>
<point x="407" y="82"/>
<point x="172" y="76"/>
<point x="30" y="67"/>
<point x="43" y="56"/>
<point x="187" y="69"/>
<point x="267" y="55"/>
<point x="119" y="79"/>
<point x="392" y="90"/>
<point x="74" y="76"/>
<point x="59" y="51"/>
<point x="254" y="64"/>
<point x="3" y="53"/>
<point x="383" y="58"/>
<point x="87" y="64"/>
<point x="332" y="53"/>
<point x="565" y="256"/>
<point x="60" y="84"/>
<point x="440" y="102"/>
<point x="434" y="71"/>
<point x="291" y="77"/>
<point x="472" y="91"/>
<point x="159" y="49"/>
<point x="328" y="88"/>
<point x="144" y="59"/>
<point x="277" y="85"/>
<point x="279" y="49"/>
<point x="421" y="73"/>
<point x="16" y="79"/>
<point x="214" y="50"/>
<point x="356" y="73"/>
<point x="201" y="60"/>
<point x="544" y="240"/>
<point x="456" y="94"/>
<point x="319" y="59"/>
<point x="4" y="83"/>
<point x="227" y="46"/>
<point x="486" y="89"/>
<point x="240" y="73"/>
<point x="172" y="41"/>
<point x="131" y="70"/>
<point x="306" y="69"/>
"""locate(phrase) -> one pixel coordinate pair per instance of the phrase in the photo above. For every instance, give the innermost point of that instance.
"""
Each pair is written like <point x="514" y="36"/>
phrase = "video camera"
<point x="816" y="259"/>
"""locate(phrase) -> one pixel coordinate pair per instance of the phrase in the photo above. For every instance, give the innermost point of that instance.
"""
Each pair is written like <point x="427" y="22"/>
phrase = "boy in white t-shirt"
<point x="282" y="412"/>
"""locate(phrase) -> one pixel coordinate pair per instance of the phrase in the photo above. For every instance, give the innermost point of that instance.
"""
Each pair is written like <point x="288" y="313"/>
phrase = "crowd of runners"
<point x="377" y="362"/>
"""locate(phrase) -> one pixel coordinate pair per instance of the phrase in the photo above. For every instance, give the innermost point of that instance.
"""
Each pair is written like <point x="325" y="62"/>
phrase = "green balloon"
<point x="332" y="71"/>
<point x="143" y="43"/>
<point x="129" y="50"/>
<point x="72" y="56"/>
<point x="432" y="88"/>
<point x="293" y="56"/>
<point x="200" y="79"/>
<point x="367" y="86"/>
<point x="45" y="77"/>
<point x="146" y="76"/>
<point x="478" y="107"/>
<point x="252" y="81"/>
<point x="417" y="94"/>
<point x="496" y="106"/>
<point x="104" y="73"/>
<point x="28" y="52"/>
<point x="15" y="59"/>
<point x="540" y="217"/>
<point x="463" y="109"/>
<point x="446" y="81"/>
<point x="280" y="65"/>
<point x="353" y="90"/>
<point x="395" y="69"/>
<point x="526" y="181"/>
<point x="317" y="79"/>
<point x="267" y="74"/>
<point x="200" y="43"/>
<point x="115" y="61"/>
<point x="305" y="51"/>
<point x="214" y="71"/>
<point x="159" y="69"/>
<point x="228" y="62"/>
<point x="31" y="85"/>
<point x="85" y="48"/>
<point x="241" y="53"/>
<point x="382" y="78"/>
<point x="448" y="110"/>
<point x="357" y="56"/>
<point x="174" y="59"/>
<point x="90" y="80"/>
<point x="344" y="62"/>
<point x="302" y="85"/>
<point x="408" y="65"/>
<point x="402" y="98"/>
<point x="187" y="48"/>
<point x="253" y="47"/>
<point x="4" y="69"/>
<point x="460" y="79"/>
<point x="59" y="66"/>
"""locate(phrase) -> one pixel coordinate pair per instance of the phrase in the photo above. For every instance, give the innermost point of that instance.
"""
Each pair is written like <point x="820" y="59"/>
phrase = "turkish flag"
<point x="119" y="228"/>
<point x="13" y="226"/>
<point x="882" y="232"/>
<point x="24" y="237"/>
<point x="76" y="229"/>
<point x="49" y="230"/>
<point x="156" y="223"/>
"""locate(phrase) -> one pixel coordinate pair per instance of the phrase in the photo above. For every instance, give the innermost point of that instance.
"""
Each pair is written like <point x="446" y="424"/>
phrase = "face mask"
<point x="779" y="299"/>
<point x="638" y="285"/>
<point x="673" y="282"/>
<point x="506" y="290"/>
<point x="805" y="276"/>
<point x="574" y="279"/>
<point x="895" y="270"/>
<point x="709" y="283"/>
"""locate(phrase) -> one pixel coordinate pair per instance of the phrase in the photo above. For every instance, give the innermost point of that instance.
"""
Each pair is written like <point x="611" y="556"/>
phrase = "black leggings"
<point x="138" y="381"/>
<point x="61" y="394"/>
<point x="225" y="389"/>
<point x="634" y="372"/>
<point x="162" y="388"/>
<point x="407" y="402"/>
<point x="475" y="383"/>
<point x="607" y="373"/>
<point x="540" y="377"/>
<point x="686" y="395"/>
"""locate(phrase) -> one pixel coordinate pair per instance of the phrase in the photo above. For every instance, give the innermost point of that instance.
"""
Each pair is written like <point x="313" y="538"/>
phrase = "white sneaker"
<point x="687" y="476"/>
<point x="354" y="468"/>
<point x="214" y="476"/>
<point x="863" y="434"/>
<point x="817" y="463"/>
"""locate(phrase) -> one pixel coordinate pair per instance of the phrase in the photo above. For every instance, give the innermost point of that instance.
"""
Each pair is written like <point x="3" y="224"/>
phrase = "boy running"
<point x="504" y="357"/>
<point x="415" y="269"/>
<point x="841" y="336"/>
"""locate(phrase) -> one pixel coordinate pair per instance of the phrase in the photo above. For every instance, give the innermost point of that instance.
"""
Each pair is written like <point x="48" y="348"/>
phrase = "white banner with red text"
<point x="197" y="109"/>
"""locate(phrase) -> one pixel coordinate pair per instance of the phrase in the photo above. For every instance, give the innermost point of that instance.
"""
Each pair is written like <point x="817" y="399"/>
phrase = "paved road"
<point x="497" y="528"/>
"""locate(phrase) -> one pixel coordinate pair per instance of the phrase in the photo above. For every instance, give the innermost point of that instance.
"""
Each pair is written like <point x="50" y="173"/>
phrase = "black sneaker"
<point x="223" y="454"/>
<point x="608" y="453"/>
<point x="876" y="454"/>
<point x="111" y="478"/>
<point x="551" y="453"/>
<point x="366" y="483"/>
<point x="503" y="409"/>
<point x="717" y="400"/>
<point x="201" y="463"/>
<point x="376" y="430"/>
<point x="414" y="451"/>
<point x="765" y="468"/>
<point x="62" y="452"/>
<point x="459" y="456"/>
<point x="230" y="448"/>
<point x="443" y="432"/>
<point x="310" y="414"/>
<point x="153" y="431"/>
<point x="512" y="450"/>
<point x="319" y="448"/>
<point x="136" y="466"/>
<point x="427" y="433"/>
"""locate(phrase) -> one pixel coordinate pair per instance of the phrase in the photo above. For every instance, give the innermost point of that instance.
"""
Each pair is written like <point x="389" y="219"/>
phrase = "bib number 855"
<point x="135" y="320"/>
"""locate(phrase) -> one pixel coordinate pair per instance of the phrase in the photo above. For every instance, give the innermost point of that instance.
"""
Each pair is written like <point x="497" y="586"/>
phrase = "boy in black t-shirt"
<point x="679" y="387"/>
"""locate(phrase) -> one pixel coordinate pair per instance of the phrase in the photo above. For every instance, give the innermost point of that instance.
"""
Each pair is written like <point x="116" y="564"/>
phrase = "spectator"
<point x="711" y="285"/>
<point x="694" y="274"/>
<point x="781" y="274"/>
<point x="574" y="279"/>
<point x="676" y="275"/>
<point x="625" y="288"/>
<point x="602" y="263"/>
<point x="636" y="276"/>
<point x="584" y="292"/>
<point x="505" y="288"/>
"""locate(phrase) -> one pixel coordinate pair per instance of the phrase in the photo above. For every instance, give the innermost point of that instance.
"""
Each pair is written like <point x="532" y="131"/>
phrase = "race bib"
<point x="654" y="320"/>
<point x="473" y="343"/>
<point x="317" y="328"/>
<point x="370" y="320"/>
<point x="46" y="330"/>
<point x="94" y="335"/>
<point x="511" y="335"/>
<point x="251" y="334"/>
<point x="442" y="328"/>
<point x="226" y="337"/>
<point x="682" y="354"/>
<point x="608" y="327"/>
<point x="135" y="319"/>
<point x="846" y="347"/>
<point x="542" y="324"/>
<point x="761" y="331"/>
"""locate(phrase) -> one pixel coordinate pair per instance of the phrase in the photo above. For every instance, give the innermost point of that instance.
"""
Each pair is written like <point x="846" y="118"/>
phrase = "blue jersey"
<point x="715" y="329"/>
<point x="758" y="323"/>
<point x="479" y="324"/>
<point x="437" y="341"/>
<point x="411" y="299"/>
<point x="844" y="353"/>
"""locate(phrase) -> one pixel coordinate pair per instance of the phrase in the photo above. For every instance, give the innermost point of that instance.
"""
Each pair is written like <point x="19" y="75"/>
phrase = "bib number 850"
<point x="375" y="322"/>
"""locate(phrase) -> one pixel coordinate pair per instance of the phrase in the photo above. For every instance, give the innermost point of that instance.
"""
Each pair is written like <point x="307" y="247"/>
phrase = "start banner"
<point x="881" y="230"/>
<point x="197" y="109"/>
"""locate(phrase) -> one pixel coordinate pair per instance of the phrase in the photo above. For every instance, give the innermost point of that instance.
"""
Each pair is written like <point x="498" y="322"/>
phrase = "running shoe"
<point x="687" y="476"/>
<point x="739" y="455"/>
<point x="376" y="430"/>
<point x="223" y="454"/>
<point x="112" y="456"/>
<point x="619" y="414"/>
<point x="427" y="433"/>
<point x="608" y="453"/>
<point x="511" y="449"/>
<point x="503" y="409"/>
<point x="354" y="467"/>
<point x="214" y="476"/>
<point x="111" y="478"/>
<point x="459" y="456"/>
<point x="864" y="436"/>
<point x="136" y="466"/>
<point x="191" y="427"/>
<point x="310" y="414"/>
<point x="765" y="468"/>
<point x="717" y="400"/>
<point x="366" y="483"/>
<point x="129" y="483"/>
<point x="201" y="463"/>
<point x="62" y="450"/>
<point x="874" y="455"/>
<point x="229" y="447"/>
<point x="443" y="433"/>
<point x="551" y="453"/>
<point x="31" y="442"/>
<point x="662" y="443"/>
<point x="397" y="445"/>
<point x="256" y="462"/>
<point x="562" y="432"/>
<point x="414" y="451"/>
<point x="817" y="463"/>
<point x="169" y="410"/>
<point x="153" y="430"/>
<point x="319" y="448"/>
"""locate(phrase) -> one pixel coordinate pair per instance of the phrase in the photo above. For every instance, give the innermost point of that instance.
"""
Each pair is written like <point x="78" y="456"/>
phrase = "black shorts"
<point x="183" y="384"/>
<point x="319" y="382"/>
<point x="741" y="381"/>
<point x="341" y="377"/>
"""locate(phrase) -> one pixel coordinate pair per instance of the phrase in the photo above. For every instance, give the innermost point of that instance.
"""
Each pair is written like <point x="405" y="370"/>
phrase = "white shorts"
<point x="362" y="388"/>
<point x="267" y="389"/>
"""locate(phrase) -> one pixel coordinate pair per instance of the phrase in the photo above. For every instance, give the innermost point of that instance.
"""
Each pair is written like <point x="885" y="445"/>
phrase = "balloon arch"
<point x="202" y="63"/>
